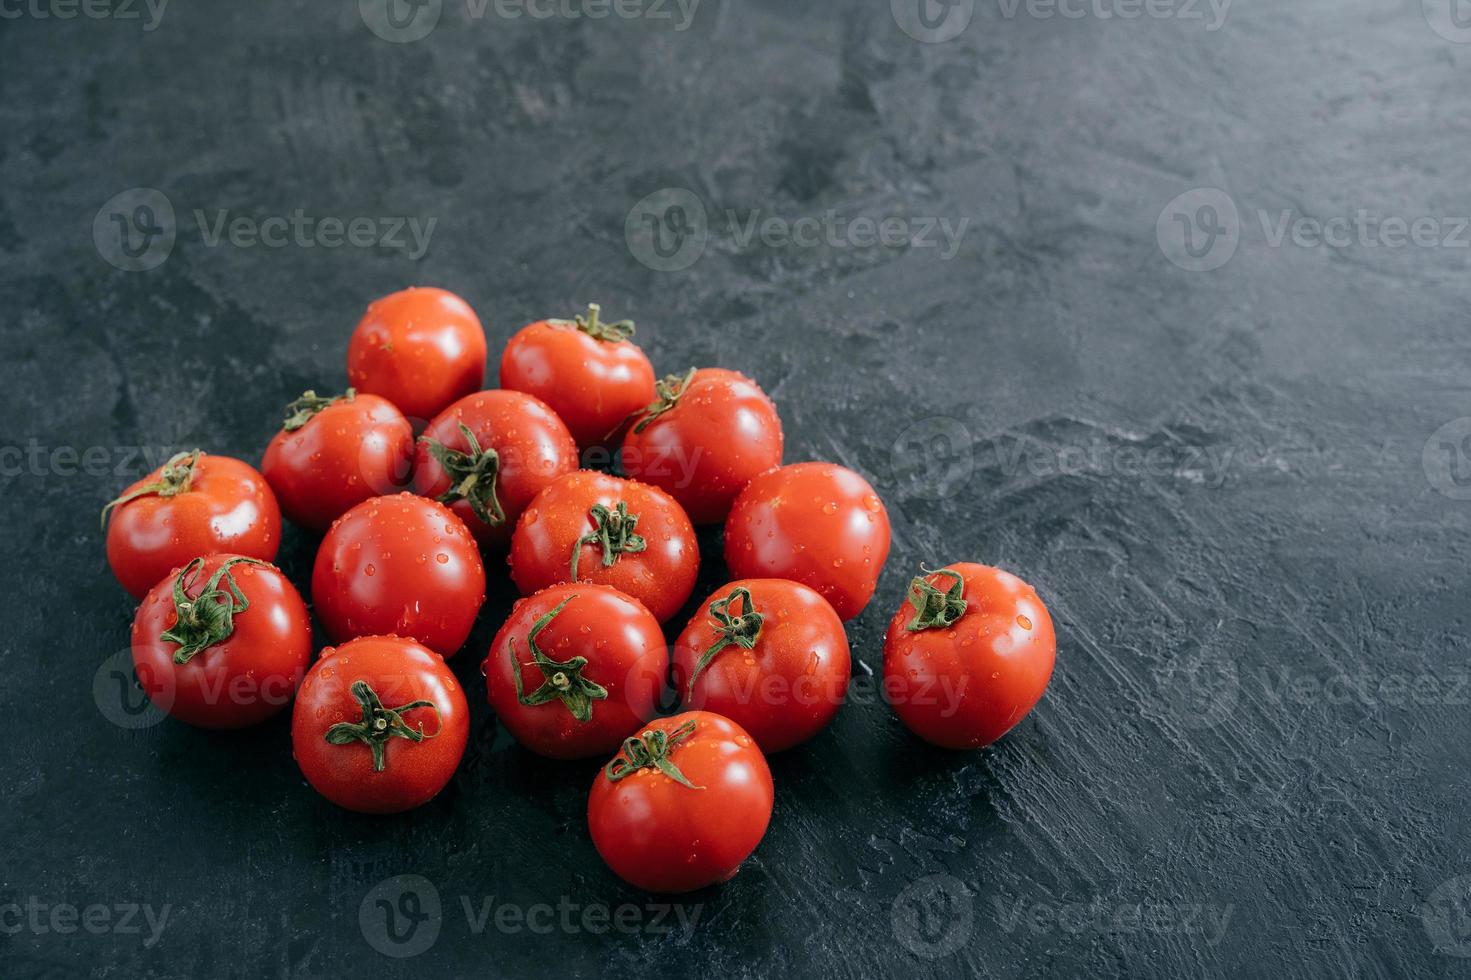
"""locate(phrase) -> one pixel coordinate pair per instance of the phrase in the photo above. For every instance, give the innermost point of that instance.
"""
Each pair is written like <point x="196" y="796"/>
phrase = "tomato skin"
<point x="626" y="655"/>
<point x="661" y="576"/>
<point x="399" y="671"/>
<point x="379" y="571"/>
<point x="814" y="523"/>
<point x="721" y="433"/>
<point x="244" y="678"/>
<point x="349" y="451"/>
<point x="533" y="446"/>
<point x="661" y="836"/>
<point x="788" y="687"/>
<point x="229" y="507"/>
<point x="421" y="348"/>
<point x="593" y="385"/>
<point x="965" y="685"/>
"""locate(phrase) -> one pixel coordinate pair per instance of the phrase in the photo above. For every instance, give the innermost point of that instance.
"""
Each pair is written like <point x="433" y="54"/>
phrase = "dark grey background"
<point x="1241" y="491"/>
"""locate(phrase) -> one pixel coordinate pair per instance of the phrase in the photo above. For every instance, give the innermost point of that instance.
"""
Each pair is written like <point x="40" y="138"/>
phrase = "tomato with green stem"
<point x="421" y="348"/>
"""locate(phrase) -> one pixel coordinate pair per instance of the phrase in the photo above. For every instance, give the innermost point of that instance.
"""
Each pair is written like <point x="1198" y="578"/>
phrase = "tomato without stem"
<point x="814" y="523"/>
<point x="421" y="348"/>
<point x="333" y="453"/>
<point x="487" y="455"/>
<point x="682" y="805"/>
<point x="379" y="725"/>
<point x="589" y="527"/>
<point x="222" y="642"/>
<point x="968" y="655"/>
<point x="706" y="436"/>
<point x="195" y="504"/>
<point x="588" y="371"/>
<point x="768" y="654"/>
<point x="576" y="669"/>
<point x="399" y="565"/>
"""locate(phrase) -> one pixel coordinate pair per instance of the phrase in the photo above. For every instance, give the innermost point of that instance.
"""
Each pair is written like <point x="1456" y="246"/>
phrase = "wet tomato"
<point x="379" y="725"/>
<point x="222" y="642"/>
<point x="401" y="565"/>
<point x="487" y="455"/>
<point x="968" y="655"/>
<point x="814" y="523"/>
<point x="195" y="504"/>
<point x="421" y="348"/>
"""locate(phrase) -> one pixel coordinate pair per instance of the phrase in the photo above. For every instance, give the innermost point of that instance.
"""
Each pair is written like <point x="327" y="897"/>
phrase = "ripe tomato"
<point x="968" y="655"/>
<point x="588" y="371"/>
<point x="223" y="642"/>
<point x="421" y="348"/>
<point x="195" y="504"/>
<point x="399" y="565"/>
<point x="768" y="654"/>
<point x="332" y="453"/>
<point x="589" y="527"/>
<point x="705" y="437"/>
<point x="576" y="670"/>
<point x="379" y="725"/>
<point x="814" y="523"/>
<point x="487" y="455"/>
<point x="682" y="805"/>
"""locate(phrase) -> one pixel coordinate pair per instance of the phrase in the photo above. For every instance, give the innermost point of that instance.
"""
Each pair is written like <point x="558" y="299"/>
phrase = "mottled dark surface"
<point x="1232" y="486"/>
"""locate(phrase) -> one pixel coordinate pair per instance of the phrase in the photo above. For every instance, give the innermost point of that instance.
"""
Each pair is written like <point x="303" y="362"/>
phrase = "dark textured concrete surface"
<point x="1242" y="490"/>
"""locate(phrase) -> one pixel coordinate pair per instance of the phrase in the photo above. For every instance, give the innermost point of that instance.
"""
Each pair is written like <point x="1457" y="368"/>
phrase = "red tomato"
<point x="223" y="642"/>
<point x="487" y="455"/>
<point x="400" y="565"/>
<point x="705" y="437"/>
<point x="588" y="371"/>
<point x="576" y="670"/>
<point x="968" y="656"/>
<point x="589" y="527"/>
<point x="682" y="805"/>
<point x="421" y="348"/>
<point x="195" y="504"/>
<point x="379" y="725"/>
<point x="814" y="523"/>
<point x="332" y="453"/>
<point x="768" y="654"/>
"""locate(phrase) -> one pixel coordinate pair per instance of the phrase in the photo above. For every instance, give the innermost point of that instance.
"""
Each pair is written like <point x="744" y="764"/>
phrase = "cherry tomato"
<point x="814" y="523"/>
<point x="332" y="453"/>
<point x="588" y="371"/>
<point x="400" y="565"/>
<point x="195" y="504"/>
<point x="682" y="805"/>
<point x="421" y="348"/>
<point x="576" y="670"/>
<point x="590" y="527"/>
<point x="768" y="654"/>
<point x="968" y="655"/>
<point x="703" y="439"/>
<point x="223" y="642"/>
<point x="379" y="725"/>
<point x="487" y="455"/>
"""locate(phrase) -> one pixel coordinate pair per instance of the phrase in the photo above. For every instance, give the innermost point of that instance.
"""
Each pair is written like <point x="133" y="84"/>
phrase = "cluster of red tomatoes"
<point x="222" y="639"/>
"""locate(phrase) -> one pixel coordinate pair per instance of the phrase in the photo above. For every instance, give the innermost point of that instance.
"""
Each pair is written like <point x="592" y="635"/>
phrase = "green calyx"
<point x="610" y="333"/>
<point x="209" y="617"/>
<point x="613" y="532"/>
<point x="305" y="408"/>
<point x="933" y="608"/>
<point x="650" y="750"/>
<point x="472" y="476"/>
<point x="667" y="391"/>
<point x="730" y="630"/>
<point x="173" y="479"/>
<point x="560" y="680"/>
<point x="379" y="724"/>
